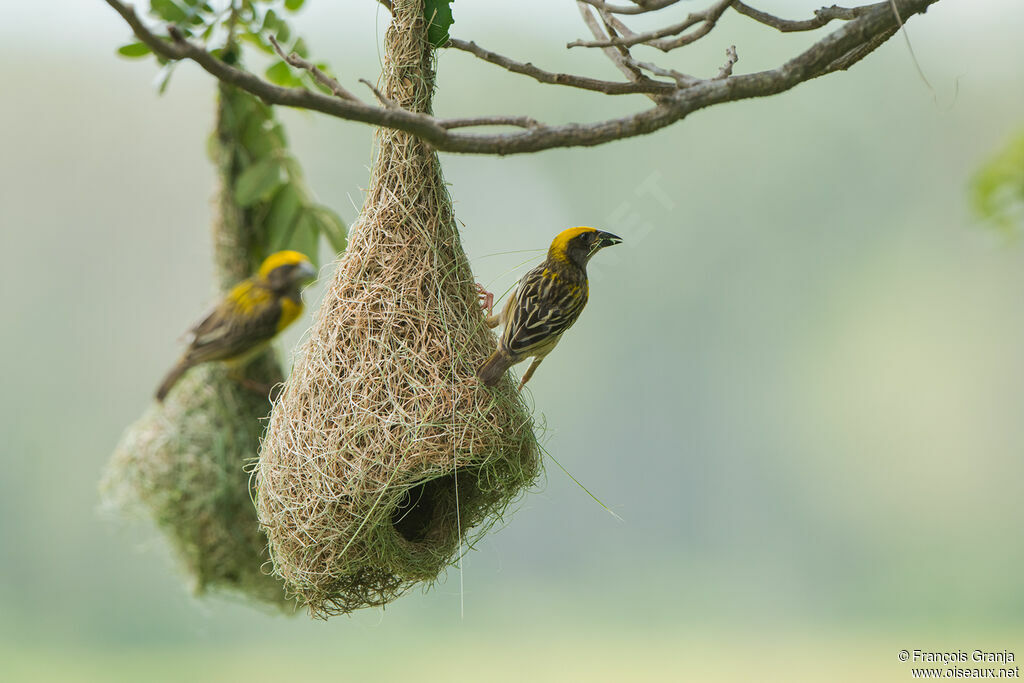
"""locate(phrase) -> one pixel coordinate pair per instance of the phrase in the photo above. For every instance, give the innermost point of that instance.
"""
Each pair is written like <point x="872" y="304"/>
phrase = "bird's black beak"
<point x="606" y="239"/>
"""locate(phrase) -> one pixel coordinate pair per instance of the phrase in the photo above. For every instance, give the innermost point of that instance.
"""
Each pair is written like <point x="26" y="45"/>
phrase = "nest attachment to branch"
<point x="183" y="464"/>
<point x="384" y="454"/>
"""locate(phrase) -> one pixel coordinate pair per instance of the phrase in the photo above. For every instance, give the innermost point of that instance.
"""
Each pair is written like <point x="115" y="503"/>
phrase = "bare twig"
<point x="519" y="121"/>
<point x="682" y="80"/>
<point x="618" y="55"/>
<point x="730" y="61"/>
<point x="323" y="79"/>
<point x="636" y="8"/>
<point x="706" y="18"/>
<point x="614" y="26"/>
<point x="837" y="50"/>
<point x="541" y="76"/>
<point x="711" y="17"/>
<point x="821" y="16"/>
<point x="610" y="23"/>
<point x="381" y="97"/>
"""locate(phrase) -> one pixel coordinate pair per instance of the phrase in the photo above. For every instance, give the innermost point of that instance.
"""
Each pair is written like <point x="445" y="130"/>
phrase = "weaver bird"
<point x="545" y="303"/>
<point x="248" y="317"/>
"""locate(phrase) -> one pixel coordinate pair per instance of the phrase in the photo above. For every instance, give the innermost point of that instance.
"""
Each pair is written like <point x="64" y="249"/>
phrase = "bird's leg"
<point x="262" y="388"/>
<point x="529" y="372"/>
<point x="496" y="319"/>
<point x="486" y="300"/>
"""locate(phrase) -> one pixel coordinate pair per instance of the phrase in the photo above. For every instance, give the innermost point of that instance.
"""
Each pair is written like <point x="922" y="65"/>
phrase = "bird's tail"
<point x="172" y="378"/>
<point x="494" y="367"/>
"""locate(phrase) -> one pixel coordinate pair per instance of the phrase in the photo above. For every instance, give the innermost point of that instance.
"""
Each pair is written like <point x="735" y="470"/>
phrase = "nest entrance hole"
<point x="427" y="511"/>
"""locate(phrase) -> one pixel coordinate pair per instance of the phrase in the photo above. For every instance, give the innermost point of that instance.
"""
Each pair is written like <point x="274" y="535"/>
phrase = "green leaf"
<point x="168" y="10"/>
<point x="439" y="15"/>
<point x="270" y="21"/>
<point x="257" y="40"/>
<point x="292" y="167"/>
<point x="331" y="227"/>
<point x="293" y="5"/>
<point x="133" y="50"/>
<point x="257" y="182"/>
<point x="306" y="237"/>
<point x="163" y="77"/>
<point x="314" y="84"/>
<point x="213" y="147"/>
<point x="284" y="212"/>
<point x="283" y="33"/>
<point x="997" y="189"/>
<point x="281" y="74"/>
<point x="261" y="137"/>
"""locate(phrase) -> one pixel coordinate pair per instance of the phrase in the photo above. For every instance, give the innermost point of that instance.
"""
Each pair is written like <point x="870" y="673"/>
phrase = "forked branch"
<point x="675" y="95"/>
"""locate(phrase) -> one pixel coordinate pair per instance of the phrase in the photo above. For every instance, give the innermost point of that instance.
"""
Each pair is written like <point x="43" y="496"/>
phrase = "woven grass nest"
<point x="385" y="456"/>
<point x="183" y="464"/>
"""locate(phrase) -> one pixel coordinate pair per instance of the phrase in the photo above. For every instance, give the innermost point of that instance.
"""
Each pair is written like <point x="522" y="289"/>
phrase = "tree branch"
<point x="323" y="79"/>
<point x="604" y="41"/>
<point x="520" y="121"/>
<point x="860" y="52"/>
<point x="614" y="26"/>
<point x="619" y="55"/>
<point x="178" y="48"/>
<point x="821" y="16"/>
<point x="381" y="97"/>
<point x="730" y="61"/>
<point x="541" y="76"/>
<point x="837" y="50"/>
<point x="637" y="8"/>
<point x="706" y="18"/>
<point x="682" y="80"/>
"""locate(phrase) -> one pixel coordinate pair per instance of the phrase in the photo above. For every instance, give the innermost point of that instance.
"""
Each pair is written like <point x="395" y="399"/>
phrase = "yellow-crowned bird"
<point x="545" y="303"/>
<point x="245" y="320"/>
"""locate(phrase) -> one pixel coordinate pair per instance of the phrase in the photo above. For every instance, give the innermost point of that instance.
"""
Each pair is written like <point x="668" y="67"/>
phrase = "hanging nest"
<point x="183" y="462"/>
<point x="384" y="454"/>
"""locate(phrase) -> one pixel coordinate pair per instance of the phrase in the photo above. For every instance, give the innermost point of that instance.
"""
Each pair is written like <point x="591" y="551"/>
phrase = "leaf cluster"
<point x="225" y="25"/>
<point x="268" y="181"/>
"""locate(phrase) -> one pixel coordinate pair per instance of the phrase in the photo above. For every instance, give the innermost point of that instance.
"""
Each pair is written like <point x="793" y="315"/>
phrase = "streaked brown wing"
<point x="546" y="306"/>
<point x="245" y="318"/>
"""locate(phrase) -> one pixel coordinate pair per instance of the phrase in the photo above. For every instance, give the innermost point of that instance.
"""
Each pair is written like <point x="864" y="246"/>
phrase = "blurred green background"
<point x="799" y="381"/>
